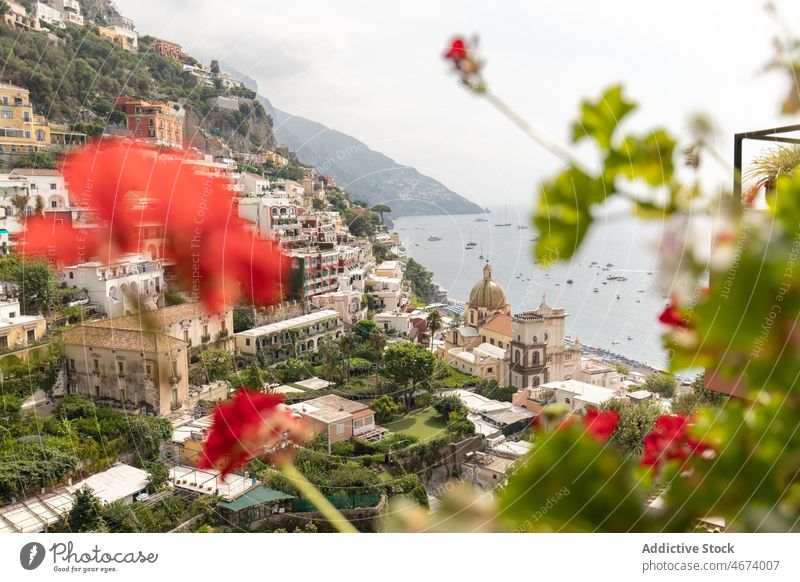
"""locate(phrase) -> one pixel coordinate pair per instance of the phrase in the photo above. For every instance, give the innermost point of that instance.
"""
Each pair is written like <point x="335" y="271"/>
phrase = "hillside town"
<point x="111" y="369"/>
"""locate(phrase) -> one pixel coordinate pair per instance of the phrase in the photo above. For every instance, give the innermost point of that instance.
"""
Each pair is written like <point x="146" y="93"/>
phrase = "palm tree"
<point x="348" y="344"/>
<point x="381" y="209"/>
<point x="765" y="170"/>
<point x="435" y="323"/>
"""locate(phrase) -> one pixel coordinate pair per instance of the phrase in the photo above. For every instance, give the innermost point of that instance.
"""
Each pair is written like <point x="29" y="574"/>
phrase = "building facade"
<point x="21" y="131"/>
<point x="16" y="329"/>
<point x="154" y="122"/>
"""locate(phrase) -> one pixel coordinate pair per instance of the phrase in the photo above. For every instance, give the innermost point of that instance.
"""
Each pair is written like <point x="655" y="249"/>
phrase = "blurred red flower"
<point x="670" y="441"/>
<point x="247" y="427"/>
<point x="131" y="186"/>
<point x="457" y="50"/>
<point x="601" y="425"/>
<point x="672" y="316"/>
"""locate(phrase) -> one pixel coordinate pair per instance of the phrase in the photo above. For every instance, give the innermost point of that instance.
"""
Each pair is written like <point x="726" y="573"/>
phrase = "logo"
<point x="31" y="555"/>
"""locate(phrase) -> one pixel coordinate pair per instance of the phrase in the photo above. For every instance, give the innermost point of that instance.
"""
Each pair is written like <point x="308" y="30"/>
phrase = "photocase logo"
<point x="31" y="555"/>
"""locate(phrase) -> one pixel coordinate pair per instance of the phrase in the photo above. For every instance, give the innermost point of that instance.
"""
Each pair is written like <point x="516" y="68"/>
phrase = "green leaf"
<point x="571" y="483"/>
<point x="563" y="215"/>
<point x="648" y="158"/>
<point x="599" y="119"/>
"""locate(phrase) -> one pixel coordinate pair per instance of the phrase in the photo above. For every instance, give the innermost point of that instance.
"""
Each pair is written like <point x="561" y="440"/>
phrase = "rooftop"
<point x="582" y="391"/>
<point x="330" y="408"/>
<point x="108" y="336"/>
<point x="308" y="319"/>
<point x="499" y="323"/>
<point x="118" y="482"/>
<point x="255" y="496"/>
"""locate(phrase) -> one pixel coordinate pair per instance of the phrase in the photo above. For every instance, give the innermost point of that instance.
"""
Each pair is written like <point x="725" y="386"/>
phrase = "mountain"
<point x="364" y="173"/>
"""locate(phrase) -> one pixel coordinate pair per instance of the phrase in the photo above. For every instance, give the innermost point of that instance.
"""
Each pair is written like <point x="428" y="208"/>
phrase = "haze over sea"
<point x="605" y="318"/>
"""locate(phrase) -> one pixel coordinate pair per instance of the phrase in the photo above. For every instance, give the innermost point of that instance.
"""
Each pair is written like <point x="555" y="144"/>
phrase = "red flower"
<point x="601" y="425"/>
<point x="44" y="238"/>
<point x="129" y="186"/>
<point x="457" y="50"/>
<point x="247" y="427"/>
<point x="670" y="441"/>
<point x="672" y="316"/>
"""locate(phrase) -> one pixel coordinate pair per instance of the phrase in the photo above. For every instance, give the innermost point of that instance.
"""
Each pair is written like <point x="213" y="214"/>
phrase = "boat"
<point x="630" y="337"/>
<point x="505" y="215"/>
<point x="618" y="296"/>
<point x="605" y="283"/>
<point x="615" y="342"/>
<point x="649" y="272"/>
<point x="522" y="227"/>
<point x="569" y="281"/>
<point x="481" y="220"/>
<point x="638" y="301"/>
<point x="558" y="284"/>
<point x="609" y="265"/>
<point x="434" y="238"/>
<point x="596" y="290"/>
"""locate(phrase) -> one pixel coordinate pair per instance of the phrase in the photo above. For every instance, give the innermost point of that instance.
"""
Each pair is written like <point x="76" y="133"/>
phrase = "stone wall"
<point x="365" y="519"/>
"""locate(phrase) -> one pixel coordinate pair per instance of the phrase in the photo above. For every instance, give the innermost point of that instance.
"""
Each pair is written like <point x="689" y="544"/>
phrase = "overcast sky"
<point x="374" y="70"/>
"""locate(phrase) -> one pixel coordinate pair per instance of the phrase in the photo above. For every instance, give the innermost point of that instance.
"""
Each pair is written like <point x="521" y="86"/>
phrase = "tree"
<point x="622" y="369"/>
<point x="214" y="67"/>
<point x="421" y="279"/>
<point x="699" y="397"/>
<point x="216" y="364"/>
<point x="446" y="405"/>
<point x="157" y="476"/>
<point x="86" y="514"/>
<point x="4" y="8"/>
<point x="381" y="209"/>
<point x="635" y="422"/>
<point x="38" y="282"/>
<point x="331" y="356"/>
<point x="459" y="426"/>
<point x="252" y="377"/>
<point x="365" y="329"/>
<point x="385" y="408"/>
<point x="661" y="384"/>
<point x="408" y="365"/>
<point x="491" y="389"/>
<point x="292" y="370"/>
<point x="348" y="344"/>
<point x="434" y="321"/>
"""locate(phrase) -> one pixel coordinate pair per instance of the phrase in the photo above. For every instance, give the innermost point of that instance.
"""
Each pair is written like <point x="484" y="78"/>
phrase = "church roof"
<point x="487" y="293"/>
<point x="467" y="331"/>
<point x="499" y="323"/>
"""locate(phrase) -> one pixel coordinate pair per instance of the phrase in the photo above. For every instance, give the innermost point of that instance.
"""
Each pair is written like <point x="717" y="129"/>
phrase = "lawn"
<point x="423" y="424"/>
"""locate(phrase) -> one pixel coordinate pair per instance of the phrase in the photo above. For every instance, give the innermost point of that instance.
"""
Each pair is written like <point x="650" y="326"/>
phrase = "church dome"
<point x="487" y="293"/>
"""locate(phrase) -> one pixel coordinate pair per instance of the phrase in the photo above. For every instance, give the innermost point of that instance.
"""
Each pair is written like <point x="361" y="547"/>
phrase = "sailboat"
<point x="481" y="257"/>
<point x="470" y="245"/>
<point x="505" y="215"/>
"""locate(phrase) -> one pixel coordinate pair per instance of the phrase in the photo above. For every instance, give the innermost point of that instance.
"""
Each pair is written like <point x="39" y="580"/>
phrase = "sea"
<point x="620" y="316"/>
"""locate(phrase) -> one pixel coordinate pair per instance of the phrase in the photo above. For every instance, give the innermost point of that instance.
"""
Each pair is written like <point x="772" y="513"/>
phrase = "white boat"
<point x="505" y="214"/>
<point x="434" y="238"/>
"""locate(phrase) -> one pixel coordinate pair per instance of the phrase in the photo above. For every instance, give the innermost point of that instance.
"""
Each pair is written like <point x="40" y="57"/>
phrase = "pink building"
<point x="341" y="419"/>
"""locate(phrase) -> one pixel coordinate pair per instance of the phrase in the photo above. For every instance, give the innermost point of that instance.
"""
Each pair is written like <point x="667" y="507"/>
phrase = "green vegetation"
<point x="421" y="279"/>
<point x="698" y="398"/>
<point x="422" y="424"/>
<point x="385" y="408"/>
<point x="38" y="281"/>
<point x="409" y="366"/>
<point x="661" y="384"/>
<point x="86" y="513"/>
<point x="215" y="364"/>
<point x="635" y="422"/>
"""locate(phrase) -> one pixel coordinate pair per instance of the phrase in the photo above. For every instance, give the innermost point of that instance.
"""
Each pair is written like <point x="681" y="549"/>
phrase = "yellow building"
<point x="16" y="329"/>
<point x="20" y="130"/>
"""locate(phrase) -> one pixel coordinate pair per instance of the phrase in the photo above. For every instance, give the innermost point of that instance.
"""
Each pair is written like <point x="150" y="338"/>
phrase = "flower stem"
<point x="525" y="126"/>
<point x="313" y="494"/>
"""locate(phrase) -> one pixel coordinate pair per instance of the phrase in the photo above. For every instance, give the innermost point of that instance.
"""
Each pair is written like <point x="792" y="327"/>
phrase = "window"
<point x="566" y="400"/>
<point x="39" y="135"/>
<point x="491" y="340"/>
<point x="97" y="391"/>
<point x="12" y="314"/>
<point x="53" y="204"/>
<point x="123" y="394"/>
<point x="71" y="363"/>
<point x="71" y="275"/>
<point x="247" y="341"/>
<point x="489" y="370"/>
<point x="174" y="367"/>
<point x="31" y="335"/>
<point x="53" y="186"/>
<point x="186" y="335"/>
<point x="96" y="366"/>
<point x="339" y="429"/>
<point x="148" y="369"/>
<point x="26" y="116"/>
<point x="6" y="113"/>
<point x="120" y="368"/>
<point x="205" y="330"/>
<point x="3" y="341"/>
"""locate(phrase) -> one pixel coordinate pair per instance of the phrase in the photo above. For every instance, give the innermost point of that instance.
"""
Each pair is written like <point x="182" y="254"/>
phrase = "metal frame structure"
<point x="770" y="135"/>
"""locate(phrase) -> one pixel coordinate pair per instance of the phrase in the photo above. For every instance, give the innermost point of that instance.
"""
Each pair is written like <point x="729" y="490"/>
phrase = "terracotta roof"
<point x="499" y="323"/>
<point x="122" y="339"/>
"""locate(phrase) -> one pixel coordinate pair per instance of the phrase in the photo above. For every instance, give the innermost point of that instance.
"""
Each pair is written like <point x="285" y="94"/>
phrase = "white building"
<point x="17" y="329"/>
<point x="484" y="361"/>
<point x="599" y="374"/>
<point x="130" y="283"/>
<point x="387" y="292"/>
<point x="49" y="14"/>
<point x="70" y="11"/>
<point x="255" y="185"/>
<point x="348" y="304"/>
<point x="393" y="322"/>
<point x="296" y="337"/>
<point x="273" y="218"/>
<point x="575" y="395"/>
